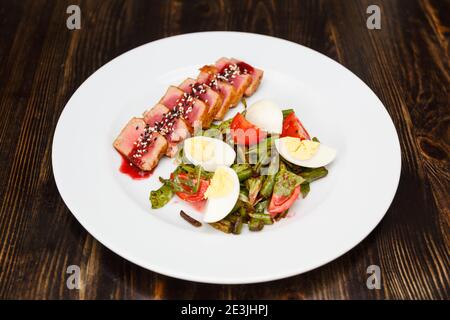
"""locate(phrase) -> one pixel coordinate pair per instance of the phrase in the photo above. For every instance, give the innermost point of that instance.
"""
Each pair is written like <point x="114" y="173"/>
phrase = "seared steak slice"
<point x="191" y="109"/>
<point x="231" y="73"/>
<point x="257" y="75"/>
<point x="175" y="130"/>
<point x="203" y="92"/>
<point x="139" y="145"/>
<point x="226" y="90"/>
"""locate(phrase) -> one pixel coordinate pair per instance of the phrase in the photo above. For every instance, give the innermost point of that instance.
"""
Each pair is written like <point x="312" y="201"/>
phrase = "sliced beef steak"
<point x="175" y="130"/>
<point x="139" y="145"/>
<point x="206" y="94"/>
<point x="226" y="90"/>
<point x="231" y="73"/>
<point x="194" y="104"/>
<point x="193" y="110"/>
<point x="257" y="75"/>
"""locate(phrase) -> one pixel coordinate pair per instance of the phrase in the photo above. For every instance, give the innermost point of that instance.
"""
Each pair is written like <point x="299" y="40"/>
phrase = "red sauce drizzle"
<point x="198" y="90"/>
<point x="131" y="163"/>
<point x="132" y="171"/>
<point x="244" y="66"/>
<point x="198" y="206"/>
<point x="183" y="106"/>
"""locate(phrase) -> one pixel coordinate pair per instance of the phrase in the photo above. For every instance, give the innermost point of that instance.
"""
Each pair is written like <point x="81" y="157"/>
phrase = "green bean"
<point x="267" y="187"/>
<point x="188" y="168"/>
<point x="253" y="185"/>
<point x="222" y="225"/>
<point x="243" y="195"/>
<point x="267" y="219"/>
<point x="287" y="112"/>
<point x="191" y="220"/>
<point x="240" y="154"/>
<point x="178" y="184"/>
<point x="237" y="227"/>
<point x="214" y="126"/>
<point x="225" y="125"/>
<point x="315" y="139"/>
<point x="260" y="207"/>
<point x="159" y="198"/>
<point x="255" y="225"/>
<point x="232" y="218"/>
<point x="244" y="171"/>
<point x="243" y="213"/>
<point x="199" y="175"/>
<point x="212" y="133"/>
<point x="265" y="143"/>
<point x="263" y="158"/>
<point x="237" y="206"/>
<point x="179" y="156"/>
<point x="311" y="175"/>
<point x="244" y="102"/>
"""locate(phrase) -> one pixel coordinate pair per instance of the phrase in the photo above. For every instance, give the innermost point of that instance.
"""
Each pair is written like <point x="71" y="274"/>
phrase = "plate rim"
<point x="272" y="276"/>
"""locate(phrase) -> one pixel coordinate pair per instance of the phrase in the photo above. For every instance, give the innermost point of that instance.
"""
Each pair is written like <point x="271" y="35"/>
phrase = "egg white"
<point x="224" y="155"/>
<point x="266" y="115"/>
<point x="324" y="156"/>
<point x="218" y="208"/>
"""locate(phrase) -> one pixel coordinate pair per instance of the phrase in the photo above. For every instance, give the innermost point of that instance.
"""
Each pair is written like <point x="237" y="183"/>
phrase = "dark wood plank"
<point x="406" y="63"/>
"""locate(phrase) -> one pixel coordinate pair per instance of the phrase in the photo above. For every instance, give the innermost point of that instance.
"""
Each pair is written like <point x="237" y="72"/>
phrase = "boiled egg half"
<point x="208" y="152"/>
<point x="305" y="153"/>
<point x="266" y="115"/>
<point x="221" y="195"/>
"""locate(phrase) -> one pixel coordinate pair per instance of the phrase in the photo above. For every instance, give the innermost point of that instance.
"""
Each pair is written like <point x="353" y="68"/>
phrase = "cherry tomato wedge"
<point x="189" y="196"/>
<point x="292" y="127"/>
<point x="244" y="132"/>
<point x="279" y="204"/>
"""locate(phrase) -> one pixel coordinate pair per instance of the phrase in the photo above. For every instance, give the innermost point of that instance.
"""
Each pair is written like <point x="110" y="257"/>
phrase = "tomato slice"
<point x="279" y="204"/>
<point x="292" y="127"/>
<point x="188" y="195"/>
<point x="244" y="132"/>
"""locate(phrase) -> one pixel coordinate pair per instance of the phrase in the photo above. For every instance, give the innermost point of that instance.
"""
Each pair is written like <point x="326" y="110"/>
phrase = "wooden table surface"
<point x="42" y="63"/>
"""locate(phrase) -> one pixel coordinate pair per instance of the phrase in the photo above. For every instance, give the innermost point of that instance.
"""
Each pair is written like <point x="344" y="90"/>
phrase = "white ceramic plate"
<point x="333" y="104"/>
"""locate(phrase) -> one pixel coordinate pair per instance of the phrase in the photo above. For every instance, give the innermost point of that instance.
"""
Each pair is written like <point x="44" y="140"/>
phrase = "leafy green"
<point x="286" y="182"/>
<point x="292" y="167"/>
<point x="311" y="175"/>
<point x="305" y="188"/>
<point x="253" y="186"/>
<point x="159" y="198"/>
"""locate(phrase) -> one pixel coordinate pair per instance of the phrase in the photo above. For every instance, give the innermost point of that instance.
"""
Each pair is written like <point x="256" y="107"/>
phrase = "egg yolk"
<point x="301" y="149"/>
<point x="201" y="149"/>
<point x="221" y="184"/>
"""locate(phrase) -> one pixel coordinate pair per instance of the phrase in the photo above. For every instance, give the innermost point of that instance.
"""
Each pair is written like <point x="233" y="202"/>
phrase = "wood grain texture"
<point x="406" y="63"/>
